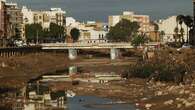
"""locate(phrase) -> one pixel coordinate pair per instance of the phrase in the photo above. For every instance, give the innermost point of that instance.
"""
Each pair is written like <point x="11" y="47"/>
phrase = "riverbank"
<point x="143" y="95"/>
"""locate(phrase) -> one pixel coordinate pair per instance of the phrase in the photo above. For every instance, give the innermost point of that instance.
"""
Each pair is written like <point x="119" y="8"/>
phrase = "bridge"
<point x="72" y="47"/>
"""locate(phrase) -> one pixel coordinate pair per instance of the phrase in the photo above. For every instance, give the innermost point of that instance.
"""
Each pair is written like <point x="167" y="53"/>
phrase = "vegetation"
<point x="123" y="31"/>
<point x="55" y="32"/>
<point x="138" y="40"/>
<point x="166" y="66"/>
<point x="75" y="33"/>
<point x="188" y="22"/>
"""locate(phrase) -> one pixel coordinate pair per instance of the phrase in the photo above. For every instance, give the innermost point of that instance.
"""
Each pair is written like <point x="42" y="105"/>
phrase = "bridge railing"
<point x="84" y="44"/>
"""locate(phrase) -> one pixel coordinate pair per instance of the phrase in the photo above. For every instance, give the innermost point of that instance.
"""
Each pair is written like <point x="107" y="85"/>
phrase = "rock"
<point x="171" y="88"/>
<point x="178" y="99"/>
<point x="148" y="106"/>
<point x="182" y="91"/>
<point x="169" y="102"/>
<point x="136" y="104"/>
<point x="192" y="95"/>
<point x="159" y="93"/>
<point x="189" y="104"/>
<point x="143" y="99"/>
<point x="186" y="91"/>
<point x="179" y="105"/>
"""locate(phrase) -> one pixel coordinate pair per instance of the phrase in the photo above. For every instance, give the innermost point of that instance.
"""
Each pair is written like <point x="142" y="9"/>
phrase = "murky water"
<point x="96" y="103"/>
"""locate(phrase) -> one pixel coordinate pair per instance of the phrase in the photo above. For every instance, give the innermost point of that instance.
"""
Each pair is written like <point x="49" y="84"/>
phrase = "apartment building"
<point x="54" y="15"/>
<point x="168" y="25"/>
<point x="143" y="20"/>
<point x="2" y="19"/>
<point x="15" y="21"/>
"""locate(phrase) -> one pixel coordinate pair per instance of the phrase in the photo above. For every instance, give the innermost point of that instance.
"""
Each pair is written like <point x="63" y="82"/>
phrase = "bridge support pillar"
<point x="114" y="53"/>
<point x="72" y="54"/>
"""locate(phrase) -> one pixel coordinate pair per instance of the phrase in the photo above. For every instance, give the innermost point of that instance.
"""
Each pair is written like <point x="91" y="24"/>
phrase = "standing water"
<point x="96" y="103"/>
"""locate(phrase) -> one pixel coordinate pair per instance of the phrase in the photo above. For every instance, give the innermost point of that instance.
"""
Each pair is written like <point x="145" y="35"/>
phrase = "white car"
<point x="185" y="46"/>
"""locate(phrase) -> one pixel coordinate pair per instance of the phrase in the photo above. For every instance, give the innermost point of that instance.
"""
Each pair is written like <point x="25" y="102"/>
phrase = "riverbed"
<point x="97" y="103"/>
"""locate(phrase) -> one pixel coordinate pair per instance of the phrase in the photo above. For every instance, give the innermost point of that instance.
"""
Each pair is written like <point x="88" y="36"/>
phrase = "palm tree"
<point x="182" y="34"/>
<point x="176" y="31"/>
<point x="162" y="33"/>
<point x="189" y="23"/>
<point x="180" y="20"/>
<point x="156" y="28"/>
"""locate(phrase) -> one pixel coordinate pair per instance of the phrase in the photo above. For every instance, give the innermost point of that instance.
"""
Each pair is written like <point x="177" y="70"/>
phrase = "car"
<point x="185" y="46"/>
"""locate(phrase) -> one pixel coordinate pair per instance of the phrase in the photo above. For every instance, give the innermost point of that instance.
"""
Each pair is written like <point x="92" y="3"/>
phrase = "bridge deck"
<point x="85" y="46"/>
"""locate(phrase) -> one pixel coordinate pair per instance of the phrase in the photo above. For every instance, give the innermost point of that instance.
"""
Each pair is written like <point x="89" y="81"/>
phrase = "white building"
<point x="92" y="36"/>
<point x="168" y="26"/>
<point x="70" y="21"/>
<point x="143" y="20"/>
<point x="54" y="15"/>
<point x="28" y="17"/>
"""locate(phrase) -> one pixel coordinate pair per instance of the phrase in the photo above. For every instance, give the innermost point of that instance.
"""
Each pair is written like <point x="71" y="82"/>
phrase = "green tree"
<point x="180" y="20"/>
<point x="162" y="34"/>
<point x="138" y="39"/>
<point x="31" y="31"/>
<point x="189" y="23"/>
<point x="56" y="31"/>
<point x="123" y="31"/>
<point x="75" y="33"/>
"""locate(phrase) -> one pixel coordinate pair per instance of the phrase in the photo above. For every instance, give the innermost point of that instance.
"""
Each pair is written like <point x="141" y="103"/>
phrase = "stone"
<point x="192" y="95"/>
<point x="143" y="99"/>
<point x="148" y="106"/>
<point x="186" y="91"/>
<point x="159" y="93"/>
<point x="182" y="91"/>
<point x="169" y="102"/>
<point x="188" y="104"/>
<point x="179" y="105"/>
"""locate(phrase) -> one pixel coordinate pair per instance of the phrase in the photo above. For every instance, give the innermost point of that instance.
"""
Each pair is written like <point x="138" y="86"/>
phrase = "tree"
<point x="138" y="39"/>
<point x="75" y="33"/>
<point x="189" y="23"/>
<point x="123" y="31"/>
<point x="162" y="34"/>
<point x="31" y="31"/>
<point x="56" y="31"/>
<point x="156" y="29"/>
<point x="180" y="20"/>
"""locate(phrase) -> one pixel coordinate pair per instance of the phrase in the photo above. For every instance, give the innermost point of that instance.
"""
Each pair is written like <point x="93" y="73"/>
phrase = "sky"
<point x="99" y="10"/>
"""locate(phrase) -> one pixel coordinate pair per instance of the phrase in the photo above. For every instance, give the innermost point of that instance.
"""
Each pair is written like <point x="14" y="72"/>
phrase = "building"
<point x="2" y="19"/>
<point x="70" y="21"/>
<point x="92" y="36"/>
<point x="143" y="20"/>
<point x="54" y="15"/>
<point x="90" y="32"/>
<point x="168" y="26"/>
<point x="15" y="21"/>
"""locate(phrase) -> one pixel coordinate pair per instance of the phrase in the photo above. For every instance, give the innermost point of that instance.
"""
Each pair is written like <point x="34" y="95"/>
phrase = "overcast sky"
<point x="100" y="9"/>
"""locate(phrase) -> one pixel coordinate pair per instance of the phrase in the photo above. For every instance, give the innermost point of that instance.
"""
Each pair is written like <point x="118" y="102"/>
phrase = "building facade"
<point x="168" y="26"/>
<point x="2" y="19"/>
<point x="143" y="20"/>
<point x="15" y="21"/>
<point x="92" y="36"/>
<point x="45" y="18"/>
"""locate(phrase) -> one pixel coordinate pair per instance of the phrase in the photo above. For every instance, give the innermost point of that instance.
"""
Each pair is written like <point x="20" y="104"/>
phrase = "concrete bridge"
<point x="72" y="47"/>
